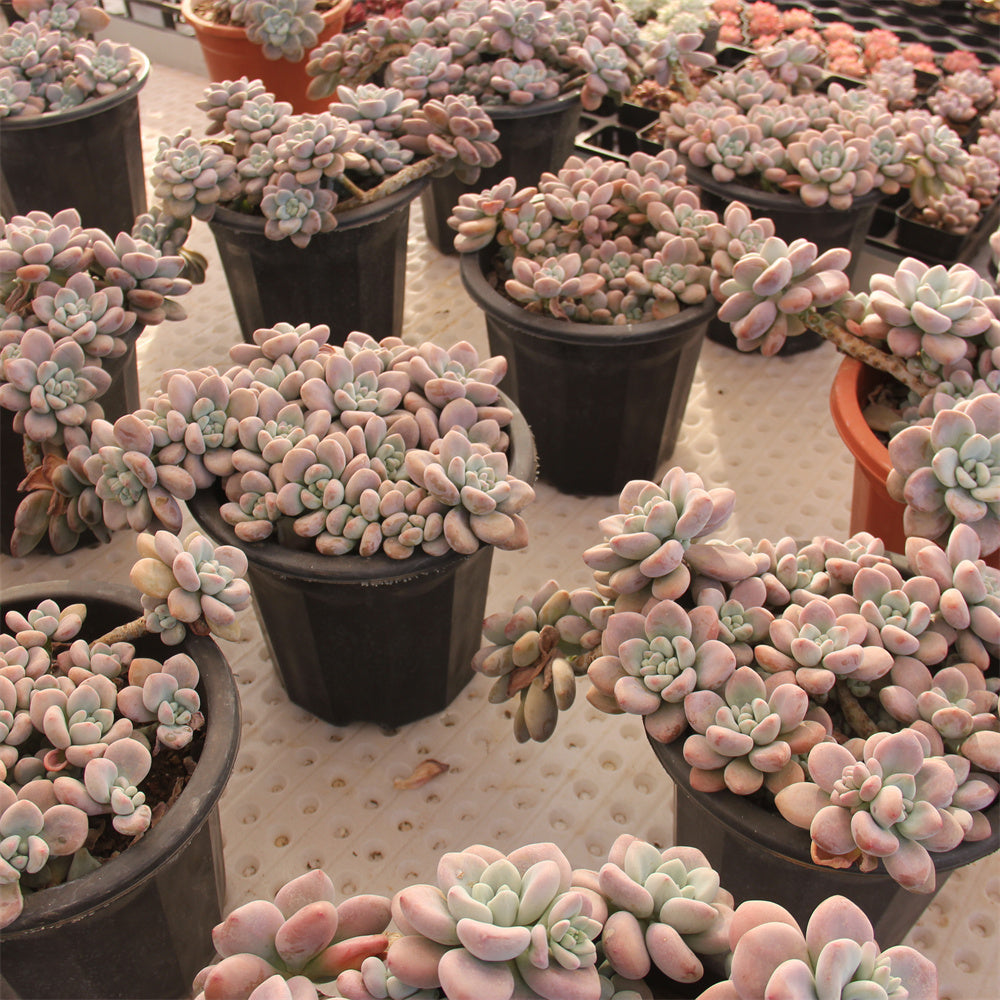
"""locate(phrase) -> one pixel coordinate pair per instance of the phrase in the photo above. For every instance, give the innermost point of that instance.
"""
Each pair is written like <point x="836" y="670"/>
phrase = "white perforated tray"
<point x="306" y="794"/>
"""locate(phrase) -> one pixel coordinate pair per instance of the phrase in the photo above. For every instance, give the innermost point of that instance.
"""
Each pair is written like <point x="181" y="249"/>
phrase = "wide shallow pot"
<point x="793" y="218"/>
<point x="141" y="925"/>
<point x="356" y="639"/>
<point x="872" y="509"/>
<point x="353" y="278"/>
<point x="88" y="158"/>
<point x="533" y="138"/>
<point x="122" y="397"/>
<point x="604" y="402"/>
<point x="760" y="855"/>
<point x="229" y="54"/>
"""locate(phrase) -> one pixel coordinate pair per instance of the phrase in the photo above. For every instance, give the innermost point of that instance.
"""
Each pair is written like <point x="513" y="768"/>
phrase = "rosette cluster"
<point x="367" y="447"/>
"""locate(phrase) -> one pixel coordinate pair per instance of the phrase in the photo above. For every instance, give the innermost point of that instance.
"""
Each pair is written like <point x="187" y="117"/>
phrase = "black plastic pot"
<point x="604" y="402"/>
<point x="533" y="138"/>
<point x="934" y="245"/>
<point x="760" y="855"/>
<point x="122" y="397"/>
<point x="352" y="278"/>
<point x="792" y="218"/>
<point x="376" y="639"/>
<point x="88" y="158"/>
<point x="141" y="925"/>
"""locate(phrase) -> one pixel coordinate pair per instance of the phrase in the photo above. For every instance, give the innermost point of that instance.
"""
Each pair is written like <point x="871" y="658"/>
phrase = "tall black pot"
<point x="122" y="397"/>
<point x="760" y="855"/>
<point x="533" y="138"/>
<point x="352" y="278"/>
<point x="141" y="925"/>
<point x="368" y="639"/>
<point x="604" y="402"/>
<point x="793" y="219"/>
<point x="88" y="158"/>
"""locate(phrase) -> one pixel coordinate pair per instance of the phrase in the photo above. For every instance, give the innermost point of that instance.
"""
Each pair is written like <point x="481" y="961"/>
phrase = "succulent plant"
<point x="506" y="51"/>
<point x="748" y="737"/>
<point x="651" y="662"/>
<point x="74" y="747"/>
<point x="302" y="935"/>
<point x="50" y="51"/>
<point x="666" y="907"/>
<point x="950" y="470"/>
<point x="771" y="956"/>
<point x="904" y="811"/>
<point x="769" y="290"/>
<point x="498" y="921"/>
<point x="597" y="241"/>
<point x="200" y="584"/>
<point x="298" y="171"/>
<point x="764" y="657"/>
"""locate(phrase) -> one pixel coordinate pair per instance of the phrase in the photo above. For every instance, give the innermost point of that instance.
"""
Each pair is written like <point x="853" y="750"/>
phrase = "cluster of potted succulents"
<point x="593" y="281"/>
<point x="777" y="677"/>
<point x="528" y="924"/>
<point x="112" y="761"/>
<point x="339" y="182"/>
<point x="531" y="64"/>
<point x="65" y="97"/>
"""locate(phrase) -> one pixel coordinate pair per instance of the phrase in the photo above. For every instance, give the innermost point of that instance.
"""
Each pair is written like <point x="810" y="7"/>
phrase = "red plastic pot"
<point x="872" y="509"/>
<point x="229" y="54"/>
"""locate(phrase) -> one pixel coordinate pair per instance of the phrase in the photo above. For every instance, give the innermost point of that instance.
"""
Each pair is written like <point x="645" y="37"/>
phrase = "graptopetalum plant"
<point x="605" y="242"/>
<point x="284" y="29"/>
<point x="299" y="171"/>
<point x="83" y="721"/>
<point x="48" y="61"/>
<point x="856" y="691"/>
<point x="69" y="298"/>
<point x="511" y="52"/>
<point x="528" y="925"/>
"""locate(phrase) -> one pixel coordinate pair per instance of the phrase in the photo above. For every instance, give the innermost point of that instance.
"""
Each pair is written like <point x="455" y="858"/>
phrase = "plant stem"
<point x="866" y="353"/>
<point x="390" y="185"/>
<point x="128" y="632"/>
<point x="854" y="715"/>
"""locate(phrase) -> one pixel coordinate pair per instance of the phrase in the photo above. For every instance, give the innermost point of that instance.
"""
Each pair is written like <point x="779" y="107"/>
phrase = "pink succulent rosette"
<point x="837" y="956"/>
<point x="891" y="802"/>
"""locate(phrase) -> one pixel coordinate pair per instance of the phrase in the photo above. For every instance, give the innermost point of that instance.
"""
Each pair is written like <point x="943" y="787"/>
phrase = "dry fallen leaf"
<point x="422" y="773"/>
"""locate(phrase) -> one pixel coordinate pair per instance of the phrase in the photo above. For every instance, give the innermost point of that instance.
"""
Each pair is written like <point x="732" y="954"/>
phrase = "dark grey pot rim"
<point x="474" y="267"/>
<point x="310" y="565"/>
<point x="21" y="123"/>
<point x="768" y="200"/>
<point x="45" y="909"/>
<point x="535" y="109"/>
<point x="353" y="218"/>
<point x="769" y="831"/>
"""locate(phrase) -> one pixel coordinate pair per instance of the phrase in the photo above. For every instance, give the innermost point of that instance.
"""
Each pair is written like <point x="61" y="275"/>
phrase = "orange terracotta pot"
<point x="229" y="54"/>
<point x="872" y="509"/>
